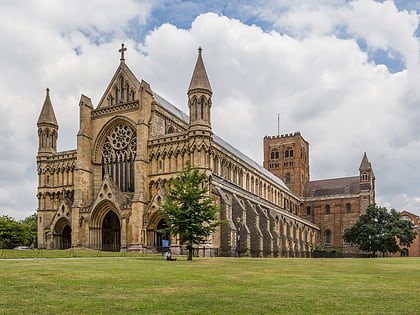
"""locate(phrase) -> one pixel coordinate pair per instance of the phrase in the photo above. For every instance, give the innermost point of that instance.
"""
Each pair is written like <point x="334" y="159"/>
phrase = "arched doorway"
<point x="62" y="234"/>
<point x="111" y="232"/>
<point x="158" y="236"/>
<point x="66" y="237"/>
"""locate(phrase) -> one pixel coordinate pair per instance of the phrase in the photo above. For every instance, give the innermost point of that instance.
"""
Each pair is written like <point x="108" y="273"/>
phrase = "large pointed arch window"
<point x="118" y="155"/>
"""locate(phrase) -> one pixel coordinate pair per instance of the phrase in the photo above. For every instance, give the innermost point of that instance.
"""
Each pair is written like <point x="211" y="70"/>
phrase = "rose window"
<point x="120" y="137"/>
<point x="118" y="155"/>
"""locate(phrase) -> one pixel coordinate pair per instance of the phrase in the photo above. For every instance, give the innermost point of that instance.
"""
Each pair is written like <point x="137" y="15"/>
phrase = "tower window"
<point x="348" y="207"/>
<point x="327" y="209"/>
<point x="365" y="177"/>
<point x="202" y="108"/>
<point x="308" y="210"/>
<point x="286" y="153"/>
<point x="291" y="153"/>
<point x="287" y="177"/>
<point x="274" y="154"/>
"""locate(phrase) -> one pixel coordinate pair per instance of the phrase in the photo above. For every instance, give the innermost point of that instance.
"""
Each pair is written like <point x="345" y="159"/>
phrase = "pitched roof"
<point x="199" y="79"/>
<point x="332" y="187"/>
<point x="47" y="115"/>
<point x="184" y="117"/>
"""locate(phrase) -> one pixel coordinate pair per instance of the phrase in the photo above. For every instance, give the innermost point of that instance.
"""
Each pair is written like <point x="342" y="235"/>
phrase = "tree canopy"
<point x="15" y="233"/>
<point x="378" y="230"/>
<point x="189" y="211"/>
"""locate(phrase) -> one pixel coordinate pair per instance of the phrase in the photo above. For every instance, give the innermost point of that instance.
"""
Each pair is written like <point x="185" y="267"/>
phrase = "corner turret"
<point x="47" y="127"/>
<point x="199" y="97"/>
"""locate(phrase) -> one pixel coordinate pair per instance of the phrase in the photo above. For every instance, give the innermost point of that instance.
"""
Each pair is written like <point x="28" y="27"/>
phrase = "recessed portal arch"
<point x="154" y="236"/>
<point x="62" y="234"/>
<point x="111" y="232"/>
<point x="105" y="227"/>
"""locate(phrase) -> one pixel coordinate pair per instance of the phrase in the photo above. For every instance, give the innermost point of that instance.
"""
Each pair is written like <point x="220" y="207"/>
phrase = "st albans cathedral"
<point x="106" y="193"/>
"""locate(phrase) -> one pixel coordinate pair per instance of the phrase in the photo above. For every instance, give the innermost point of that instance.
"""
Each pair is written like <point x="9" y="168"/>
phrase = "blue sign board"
<point x="165" y="244"/>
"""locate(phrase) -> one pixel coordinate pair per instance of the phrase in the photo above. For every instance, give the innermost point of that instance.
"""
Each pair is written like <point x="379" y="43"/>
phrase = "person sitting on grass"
<point x="168" y="255"/>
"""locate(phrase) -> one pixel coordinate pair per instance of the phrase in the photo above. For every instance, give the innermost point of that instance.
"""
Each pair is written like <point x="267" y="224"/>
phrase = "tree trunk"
<point x="190" y="252"/>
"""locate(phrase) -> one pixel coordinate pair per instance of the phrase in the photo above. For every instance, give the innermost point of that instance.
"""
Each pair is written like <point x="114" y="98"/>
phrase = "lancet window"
<point x="118" y="155"/>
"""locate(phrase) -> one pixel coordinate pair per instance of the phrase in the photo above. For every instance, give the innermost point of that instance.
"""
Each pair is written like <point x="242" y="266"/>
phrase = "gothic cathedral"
<point x="106" y="193"/>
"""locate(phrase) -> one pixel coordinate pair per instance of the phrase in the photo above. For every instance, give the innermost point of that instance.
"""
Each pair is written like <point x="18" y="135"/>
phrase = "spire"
<point x="199" y="78"/>
<point x="365" y="164"/>
<point x="47" y="115"/>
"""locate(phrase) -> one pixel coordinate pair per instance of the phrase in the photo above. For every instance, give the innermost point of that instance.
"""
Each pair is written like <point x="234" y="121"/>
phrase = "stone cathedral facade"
<point x="106" y="194"/>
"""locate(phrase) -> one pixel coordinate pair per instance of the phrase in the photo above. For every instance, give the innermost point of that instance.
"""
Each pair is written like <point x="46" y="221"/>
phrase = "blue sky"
<point x="344" y="73"/>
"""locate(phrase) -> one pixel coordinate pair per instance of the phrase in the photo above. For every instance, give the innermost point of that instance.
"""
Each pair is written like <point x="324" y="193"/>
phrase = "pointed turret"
<point x="199" y="80"/>
<point x="47" y="116"/>
<point x="199" y="97"/>
<point x="365" y="164"/>
<point x="47" y="127"/>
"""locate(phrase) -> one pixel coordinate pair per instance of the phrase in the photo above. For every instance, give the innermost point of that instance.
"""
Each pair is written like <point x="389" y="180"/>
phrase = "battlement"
<point x="287" y="135"/>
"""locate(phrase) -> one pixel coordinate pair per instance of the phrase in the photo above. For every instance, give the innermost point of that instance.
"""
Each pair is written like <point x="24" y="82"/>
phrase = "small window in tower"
<point x="272" y="155"/>
<point x="291" y="153"/>
<point x="277" y="155"/>
<point x="286" y="153"/>
<point x="287" y="177"/>
<point x="308" y="210"/>
<point x="327" y="209"/>
<point x="348" y="207"/>
<point x="202" y="108"/>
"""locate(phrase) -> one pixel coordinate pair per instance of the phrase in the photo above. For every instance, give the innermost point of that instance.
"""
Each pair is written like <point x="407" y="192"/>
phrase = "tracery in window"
<point x="118" y="155"/>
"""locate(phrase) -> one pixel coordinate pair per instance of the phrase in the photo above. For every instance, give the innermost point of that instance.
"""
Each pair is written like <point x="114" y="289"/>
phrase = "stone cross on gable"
<point x="122" y="50"/>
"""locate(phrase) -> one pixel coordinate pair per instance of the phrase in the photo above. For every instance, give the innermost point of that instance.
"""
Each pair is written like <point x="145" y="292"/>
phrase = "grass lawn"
<point x="150" y="285"/>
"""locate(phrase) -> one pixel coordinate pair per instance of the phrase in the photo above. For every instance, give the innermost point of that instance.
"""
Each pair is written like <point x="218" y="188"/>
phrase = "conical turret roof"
<point x="199" y="78"/>
<point x="365" y="164"/>
<point x="47" y="115"/>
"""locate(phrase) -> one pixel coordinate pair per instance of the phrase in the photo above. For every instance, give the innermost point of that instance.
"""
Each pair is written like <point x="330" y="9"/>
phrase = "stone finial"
<point x="122" y="50"/>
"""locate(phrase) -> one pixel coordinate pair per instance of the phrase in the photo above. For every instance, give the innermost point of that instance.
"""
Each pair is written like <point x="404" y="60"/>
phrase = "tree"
<point x="31" y="226"/>
<point x="14" y="233"/>
<point x="378" y="229"/>
<point x="189" y="211"/>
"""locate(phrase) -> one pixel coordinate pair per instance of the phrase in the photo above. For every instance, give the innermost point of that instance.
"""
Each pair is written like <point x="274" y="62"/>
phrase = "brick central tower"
<point x="287" y="157"/>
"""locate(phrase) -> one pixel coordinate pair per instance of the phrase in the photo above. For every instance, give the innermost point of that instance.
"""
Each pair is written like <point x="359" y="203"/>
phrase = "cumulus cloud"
<point x="321" y="82"/>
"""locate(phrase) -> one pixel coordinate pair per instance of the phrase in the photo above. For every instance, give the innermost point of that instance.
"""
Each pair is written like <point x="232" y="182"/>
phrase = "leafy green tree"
<point x="14" y="233"/>
<point x="378" y="229"/>
<point x="189" y="211"/>
<point x="31" y="226"/>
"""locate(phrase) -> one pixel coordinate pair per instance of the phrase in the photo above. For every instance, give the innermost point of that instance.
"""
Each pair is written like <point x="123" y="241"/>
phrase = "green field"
<point x="150" y="285"/>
